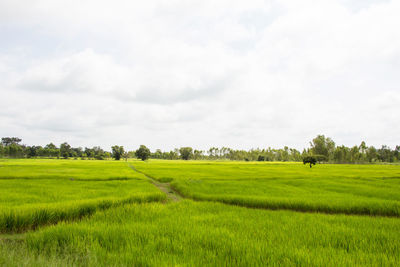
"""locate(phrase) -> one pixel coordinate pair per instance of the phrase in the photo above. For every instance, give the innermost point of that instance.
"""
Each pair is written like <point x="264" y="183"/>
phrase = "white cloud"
<point x="200" y="73"/>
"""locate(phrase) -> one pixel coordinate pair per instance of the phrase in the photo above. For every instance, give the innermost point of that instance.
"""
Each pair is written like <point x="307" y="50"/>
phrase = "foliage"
<point x="117" y="152"/>
<point x="6" y="141"/>
<point x="310" y="160"/>
<point x="143" y="153"/>
<point x="65" y="150"/>
<point x="323" y="148"/>
<point x="186" y="152"/>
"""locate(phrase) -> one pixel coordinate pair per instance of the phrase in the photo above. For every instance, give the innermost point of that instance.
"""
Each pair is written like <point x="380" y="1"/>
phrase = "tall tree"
<point x="117" y="152"/>
<point x="186" y="152"/>
<point x="323" y="146"/>
<point x="6" y="141"/>
<point x="65" y="150"/>
<point x="143" y="153"/>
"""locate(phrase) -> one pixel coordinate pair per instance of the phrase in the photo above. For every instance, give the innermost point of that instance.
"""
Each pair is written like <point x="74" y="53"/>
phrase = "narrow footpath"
<point x="172" y="195"/>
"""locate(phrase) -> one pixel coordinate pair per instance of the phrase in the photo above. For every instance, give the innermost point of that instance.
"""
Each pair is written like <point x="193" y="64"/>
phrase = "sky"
<point x="200" y="73"/>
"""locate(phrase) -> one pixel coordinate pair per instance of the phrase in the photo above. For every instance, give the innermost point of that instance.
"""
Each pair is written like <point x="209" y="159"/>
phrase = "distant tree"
<point x="186" y="152"/>
<point x="51" y="150"/>
<point x="117" y="152"/>
<point x="323" y="146"/>
<point x="309" y="160"/>
<point x="385" y="154"/>
<point x="97" y="152"/>
<point x="396" y="153"/>
<point x="261" y="158"/>
<point x="32" y="151"/>
<point x="65" y="150"/>
<point x="320" y="158"/>
<point x="197" y="154"/>
<point x="143" y="153"/>
<point x="158" y="154"/>
<point x="372" y="154"/>
<point x="341" y="154"/>
<point x="1" y="150"/>
<point x="173" y="154"/>
<point x="6" y="141"/>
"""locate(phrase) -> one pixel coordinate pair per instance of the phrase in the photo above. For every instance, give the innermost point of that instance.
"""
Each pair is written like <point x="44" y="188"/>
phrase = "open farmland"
<point x="39" y="192"/>
<point x="97" y="213"/>
<point x="330" y="188"/>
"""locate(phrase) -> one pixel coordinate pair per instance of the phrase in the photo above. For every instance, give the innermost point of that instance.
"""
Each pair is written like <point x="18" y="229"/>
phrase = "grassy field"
<point x="103" y="213"/>
<point x="329" y="188"/>
<point x="65" y="169"/>
<point x="38" y="192"/>
<point x="212" y="234"/>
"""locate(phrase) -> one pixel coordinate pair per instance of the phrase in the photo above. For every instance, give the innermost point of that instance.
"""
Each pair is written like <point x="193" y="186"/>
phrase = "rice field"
<point x="104" y="213"/>
<point x="40" y="192"/>
<point x="328" y="188"/>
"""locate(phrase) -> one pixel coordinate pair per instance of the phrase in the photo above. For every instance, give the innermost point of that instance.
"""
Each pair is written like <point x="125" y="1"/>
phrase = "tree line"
<point x="322" y="149"/>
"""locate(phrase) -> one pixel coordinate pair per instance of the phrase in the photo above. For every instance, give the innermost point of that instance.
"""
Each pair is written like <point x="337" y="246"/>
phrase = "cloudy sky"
<point x="200" y="73"/>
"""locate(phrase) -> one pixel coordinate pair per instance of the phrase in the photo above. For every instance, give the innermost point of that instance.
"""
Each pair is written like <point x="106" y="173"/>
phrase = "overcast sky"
<point x="200" y="73"/>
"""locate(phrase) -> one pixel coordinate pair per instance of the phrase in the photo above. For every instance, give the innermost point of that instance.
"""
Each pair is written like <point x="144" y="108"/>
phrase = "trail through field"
<point x="172" y="195"/>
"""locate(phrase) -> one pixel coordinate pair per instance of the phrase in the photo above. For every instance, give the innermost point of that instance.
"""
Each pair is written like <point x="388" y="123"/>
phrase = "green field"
<point x="38" y="192"/>
<point x="350" y="189"/>
<point x="102" y="213"/>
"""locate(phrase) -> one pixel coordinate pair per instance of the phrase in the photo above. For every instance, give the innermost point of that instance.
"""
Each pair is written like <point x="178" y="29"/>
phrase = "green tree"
<point x="50" y="150"/>
<point x="143" y="153"/>
<point x="186" y="152"/>
<point x="117" y="152"/>
<point x="323" y="146"/>
<point x="310" y="160"/>
<point x="6" y="141"/>
<point x="65" y="150"/>
<point x="372" y="154"/>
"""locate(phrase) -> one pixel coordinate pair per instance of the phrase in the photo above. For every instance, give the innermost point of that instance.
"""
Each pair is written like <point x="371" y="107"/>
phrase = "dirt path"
<point x="172" y="195"/>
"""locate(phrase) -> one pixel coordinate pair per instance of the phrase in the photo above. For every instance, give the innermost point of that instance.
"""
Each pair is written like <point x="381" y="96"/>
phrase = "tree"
<point x="98" y="153"/>
<point x="309" y="160"/>
<point x="32" y="151"/>
<point x="143" y="153"/>
<point x="6" y="141"/>
<point x="372" y="154"/>
<point x="51" y="150"/>
<point x="396" y="153"/>
<point x="197" y="154"/>
<point x="65" y="150"/>
<point x="323" y="146"/>
<point x="186" y="152"/>
<point x="1" y="150"/>
<point x="117" y="152"/>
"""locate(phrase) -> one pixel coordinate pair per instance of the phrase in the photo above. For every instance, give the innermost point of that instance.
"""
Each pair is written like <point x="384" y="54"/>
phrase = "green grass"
<point x="350" y="189"/>
<point x="65" y="169"/>
<point x="32" y="197"/>
<point x="200" y="233"/>
<point x="45" y="207"/>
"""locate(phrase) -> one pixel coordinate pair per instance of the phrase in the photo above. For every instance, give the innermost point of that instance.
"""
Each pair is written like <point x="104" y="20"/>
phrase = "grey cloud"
<point x="244" y="74"/>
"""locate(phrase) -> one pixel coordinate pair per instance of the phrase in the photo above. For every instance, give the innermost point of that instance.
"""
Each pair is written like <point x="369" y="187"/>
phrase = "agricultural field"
<point x="329" y="188"/>
<point x="39" y="192"/>
<point x="102" y="213"/>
